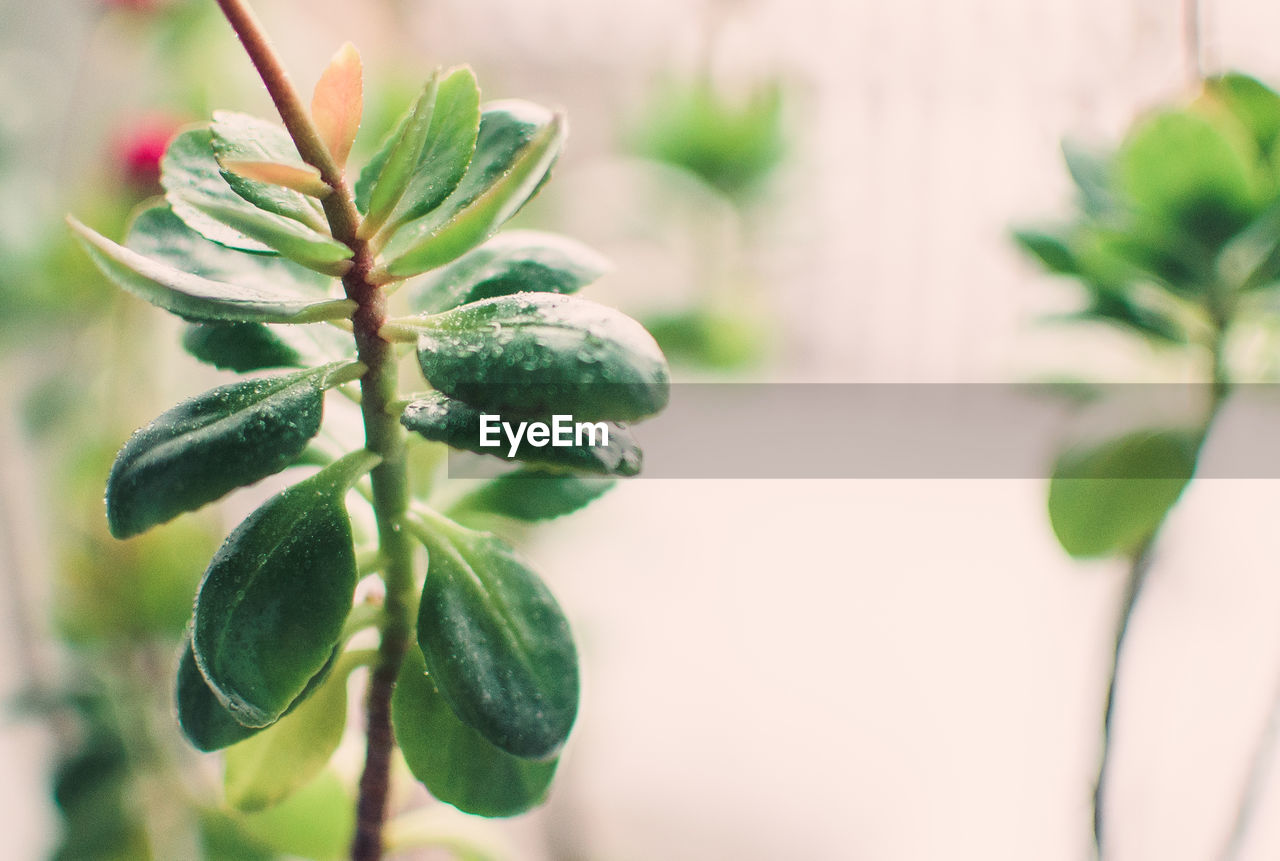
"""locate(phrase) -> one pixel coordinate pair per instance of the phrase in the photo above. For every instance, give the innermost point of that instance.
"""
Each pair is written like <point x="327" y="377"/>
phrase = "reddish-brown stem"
<point x="383" y="434"/>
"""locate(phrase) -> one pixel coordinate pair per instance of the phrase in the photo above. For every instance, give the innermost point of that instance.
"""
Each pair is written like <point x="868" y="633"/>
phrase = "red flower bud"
<point x="139" y="147"/>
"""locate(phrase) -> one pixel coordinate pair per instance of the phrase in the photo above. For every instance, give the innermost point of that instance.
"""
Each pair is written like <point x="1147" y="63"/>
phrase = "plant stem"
<point x="1139" y="565"/>
<point x="383" y="434"/>
<point x="1140" y="562"/>
<point x="1255" y="782"/>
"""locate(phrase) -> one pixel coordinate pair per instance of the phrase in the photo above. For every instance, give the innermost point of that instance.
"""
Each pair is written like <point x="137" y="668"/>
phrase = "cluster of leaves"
<point x="241" y="249"/>
<point x="1175" y="239"/>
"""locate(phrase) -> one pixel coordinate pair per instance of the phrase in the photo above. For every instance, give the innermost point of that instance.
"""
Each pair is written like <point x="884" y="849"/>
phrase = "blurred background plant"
<point x="1175" y="240"/>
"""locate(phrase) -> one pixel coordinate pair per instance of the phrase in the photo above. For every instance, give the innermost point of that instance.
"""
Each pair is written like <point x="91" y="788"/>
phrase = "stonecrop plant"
<point x="276" y="262"/>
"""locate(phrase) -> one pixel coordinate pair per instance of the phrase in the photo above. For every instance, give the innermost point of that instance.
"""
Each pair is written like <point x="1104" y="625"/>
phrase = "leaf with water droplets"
<point x="206" y="722"/>
<point x="516" y="147"/>
<point x="456" y="764"/>
<point x="496" y="643"/>
<point x="439" y="418"/>
<point x="205" y="447"/>
<point x="514" y="261"/>
<point x="540" y="353"/>
<point x="531" y="494"/>
<point x="193" y="297"/>
<point x="265" y="770"/>
<point x="273" y="601"/>
<point x="198" y="191"/>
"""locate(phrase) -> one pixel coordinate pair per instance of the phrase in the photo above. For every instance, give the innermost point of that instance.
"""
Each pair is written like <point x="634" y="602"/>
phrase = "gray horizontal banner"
<point x="811" y="431"/>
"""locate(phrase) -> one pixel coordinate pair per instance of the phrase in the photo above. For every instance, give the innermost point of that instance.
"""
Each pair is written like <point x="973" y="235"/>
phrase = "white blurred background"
<point x="883" y="670"/>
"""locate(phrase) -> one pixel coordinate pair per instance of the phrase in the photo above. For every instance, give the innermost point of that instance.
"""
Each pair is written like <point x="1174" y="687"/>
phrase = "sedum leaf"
<point x="204" y="720"/>
<point x="159" y="234"/>
<point x="200" y="195"/>
<point x="1253" y="103"/>
<point x="395" y="166"/>
<point x="197" y="298"/>
<point x="514" y="261"/>
<point x="516" y="146"/>
<point x="337" y="102"/>
<point x="243" y="139"/>
<point x="441" y="160"/>
<point x="456" y="763"/>
<point x="538" y="353"/>
<point x="532" y="494"/>
<point x="496" y="643"/>
<point x="440" y="418"/>
<point x="1111" y="498"/>
<point x="239" y="347"/>
<point x="205" y="447"/>
<point x="303" y="179"/>
<point x="273" y="601"/>
<point x="264" y="770"/>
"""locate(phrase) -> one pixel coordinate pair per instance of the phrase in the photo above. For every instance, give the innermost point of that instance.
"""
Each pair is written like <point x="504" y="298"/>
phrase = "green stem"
<point x="383" y="434"/>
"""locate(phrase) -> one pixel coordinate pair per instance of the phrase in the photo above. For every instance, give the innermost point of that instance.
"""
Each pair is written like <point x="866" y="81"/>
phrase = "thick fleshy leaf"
<point x="1253" y="103"/>
<point x="441" y="160"/>
<point x="239" y="347"/>
<point x="514" y="261"/>
<point x="516" y="147"/>
<point x="456" y="764"/>
<point x="316" y="823"/>
<point x="278" y="761"/>
<point x="1183" y="170"/>
<point x="244" y="347"/>
<point x="196" y="298"/>
<point x="539" y="353"/>
<point x="532" y="494"/>
<point x="206" y="447"/>
<point x="159" y="234"/>
<point x="496" y="643"/>
<point x="273" y="601"/>
<point x="240" y="138"/>
<point x="338" y="102"/>
<point x="401" y="160"/>
<point x="1111" y="498"/>
<point x="302" y="178"/>
<point x="200" y="195"/>
<point x="205" y="721"/>
<point x="439" y="418"/>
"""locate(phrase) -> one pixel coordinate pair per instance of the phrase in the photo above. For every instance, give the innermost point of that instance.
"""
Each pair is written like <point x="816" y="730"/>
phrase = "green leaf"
<point x="1125" y="312"/>
<point x="1253" y="103"/>
<point x="450" y="146"/>
<point x="202" y="717"/>
<point x="1181" y="169"/>
<point x="201" y="197"/>
<point x="514" y="261"/>
<point x="392" y="167"/>
<point x="454" y="761"/>
<point x="264" y="770"/>
<point x="240" y="137"/>
<point x="439" y="418"/>
<point x="159" y="234"/>
<point x="539" y="353"/>
<point x="197" y="298"/>
<point x="273" y="602"/>
<point x="239" y="347"/>
<point x="1053" y="252"/>
<point x="531" y="495"/>
<point x="317" y="822"/>
<point x="726" y="339"/>
<point x="496" y="643"/>
<point x="515" y="149"/>
<point x="1111" y="498"/>
<point x="1094" y="176"/>
<point x="205" y="447"/>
